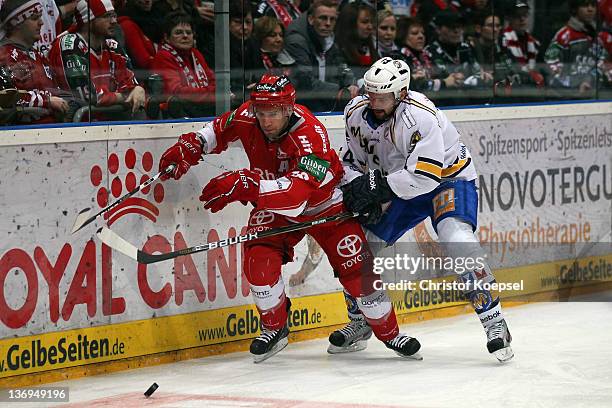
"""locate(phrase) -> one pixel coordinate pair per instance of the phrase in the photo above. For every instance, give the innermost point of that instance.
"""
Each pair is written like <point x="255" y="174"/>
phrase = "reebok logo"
<point x="372" y="178"/>
<point x="490" y="317"/>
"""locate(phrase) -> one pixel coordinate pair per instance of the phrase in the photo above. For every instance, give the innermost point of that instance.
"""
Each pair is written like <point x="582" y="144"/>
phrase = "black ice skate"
<point x="498" y="341"/>
<point x="268" y="343"/>
<point x="352" y="337"/>
<point x="405" y="346"/>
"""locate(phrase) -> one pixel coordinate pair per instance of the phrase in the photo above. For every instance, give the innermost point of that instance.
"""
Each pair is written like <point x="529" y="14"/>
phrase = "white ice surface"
<point x="563" y="358"/>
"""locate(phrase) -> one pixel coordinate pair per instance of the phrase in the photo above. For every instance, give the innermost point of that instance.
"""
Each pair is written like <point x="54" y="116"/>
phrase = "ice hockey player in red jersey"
<point x="293" y="176"/>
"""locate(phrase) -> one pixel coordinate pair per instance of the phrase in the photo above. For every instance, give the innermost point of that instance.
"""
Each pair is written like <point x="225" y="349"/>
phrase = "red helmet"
<point x="273" y="90"/>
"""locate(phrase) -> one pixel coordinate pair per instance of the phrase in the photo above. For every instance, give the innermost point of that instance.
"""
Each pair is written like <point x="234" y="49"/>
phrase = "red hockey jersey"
<point x="299" y="173"/>
<point x="31" y="72"/>
<point x="107" y="68"/>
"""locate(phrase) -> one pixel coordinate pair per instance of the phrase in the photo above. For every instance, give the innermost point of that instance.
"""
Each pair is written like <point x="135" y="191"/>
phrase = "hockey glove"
<point x="241" y="185"/>
<point x="371" y="215"/>
<point x="185" y="153"/>
<point x="366" y="191"/>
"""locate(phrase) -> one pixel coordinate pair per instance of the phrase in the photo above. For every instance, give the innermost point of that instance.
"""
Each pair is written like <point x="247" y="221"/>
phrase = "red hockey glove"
<point x="241" y="185"/>
<point x="185" y="153"/>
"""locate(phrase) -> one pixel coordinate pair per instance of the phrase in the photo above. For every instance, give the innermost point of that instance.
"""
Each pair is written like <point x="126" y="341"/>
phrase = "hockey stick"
<point x="114" y="241"/>
<point x="84" y="219"/>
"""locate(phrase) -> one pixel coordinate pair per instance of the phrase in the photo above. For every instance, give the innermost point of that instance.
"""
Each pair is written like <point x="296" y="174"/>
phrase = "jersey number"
<point x="300" y="174"/>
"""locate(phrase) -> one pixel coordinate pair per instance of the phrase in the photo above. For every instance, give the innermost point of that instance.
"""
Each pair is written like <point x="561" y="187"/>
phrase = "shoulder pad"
<point x="354" y="104"/>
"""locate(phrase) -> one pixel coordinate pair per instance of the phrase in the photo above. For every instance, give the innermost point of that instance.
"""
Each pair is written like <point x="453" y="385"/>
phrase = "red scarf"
<point x="200" y="80"/>
<point x="273" y="68"/>
<point x="524" y="52"/>
<point x="281" y="11"/>
<point x="418" y="61"/>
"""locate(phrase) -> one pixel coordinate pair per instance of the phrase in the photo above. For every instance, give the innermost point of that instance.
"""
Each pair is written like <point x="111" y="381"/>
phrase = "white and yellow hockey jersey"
<point x="417" y="148"/>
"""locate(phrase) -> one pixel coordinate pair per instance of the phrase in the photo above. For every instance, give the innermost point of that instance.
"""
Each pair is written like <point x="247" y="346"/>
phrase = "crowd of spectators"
<point x="72" y="60"/>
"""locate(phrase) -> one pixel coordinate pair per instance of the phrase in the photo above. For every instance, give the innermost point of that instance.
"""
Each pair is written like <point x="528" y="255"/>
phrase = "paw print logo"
<point x="118" y="187"/>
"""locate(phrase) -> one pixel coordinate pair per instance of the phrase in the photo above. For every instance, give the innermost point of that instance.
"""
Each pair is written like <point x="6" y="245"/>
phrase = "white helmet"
<point x="387" y="75"/>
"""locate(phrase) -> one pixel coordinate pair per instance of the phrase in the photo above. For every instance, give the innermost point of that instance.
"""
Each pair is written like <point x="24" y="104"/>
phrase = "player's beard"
<point x="381" y="115"/>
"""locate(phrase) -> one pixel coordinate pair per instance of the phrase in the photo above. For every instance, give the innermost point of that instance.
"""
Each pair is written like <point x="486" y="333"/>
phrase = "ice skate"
<point x="405" y="346"/>
<point x="498" y="341"/>
<point x="268" y="343"/>
<point x="352" y="337"/>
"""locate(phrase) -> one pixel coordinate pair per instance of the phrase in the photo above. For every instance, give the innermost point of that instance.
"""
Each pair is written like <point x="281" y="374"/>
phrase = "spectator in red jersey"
<point x="22" y="20"/>
<point x="183" y="68"/>
<point x="140" y="47"/>
<point x="605" y="36"/>
<point x="87" y="62"/>
<point x="355" y="37"/>
<point x="575" y="57"/>
<point x="52" y="25"/>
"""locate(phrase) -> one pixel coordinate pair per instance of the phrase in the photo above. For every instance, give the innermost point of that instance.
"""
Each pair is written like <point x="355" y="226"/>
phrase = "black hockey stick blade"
<point x="114" y="241"/>
<point x="83" y="219"/>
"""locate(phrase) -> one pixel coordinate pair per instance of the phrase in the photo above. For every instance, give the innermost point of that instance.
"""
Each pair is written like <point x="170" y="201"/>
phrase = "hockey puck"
<point x="151" y="390"/>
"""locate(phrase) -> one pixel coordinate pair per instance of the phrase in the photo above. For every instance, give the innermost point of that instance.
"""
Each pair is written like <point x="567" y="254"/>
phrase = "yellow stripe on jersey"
<point x="456" y="168"/>
<point x="429" y="168"/>
<point x="422" y="106"/>
<point x="360" y="104"/>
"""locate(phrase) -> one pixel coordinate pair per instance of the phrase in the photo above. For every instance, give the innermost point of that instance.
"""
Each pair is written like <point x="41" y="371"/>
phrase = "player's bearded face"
<point x="272" y="120"/>
<point x="381" y="105"/>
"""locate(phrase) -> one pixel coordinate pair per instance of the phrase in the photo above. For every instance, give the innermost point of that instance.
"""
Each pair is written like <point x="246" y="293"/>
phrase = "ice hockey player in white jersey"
<point x="400" y="149"/>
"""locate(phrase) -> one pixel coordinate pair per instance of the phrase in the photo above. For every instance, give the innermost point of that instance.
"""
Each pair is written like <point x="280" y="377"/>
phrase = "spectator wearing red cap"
<point x="51" y="26"/>
<point x="88" y="63"/>
<point x="183" y="68"/>
<point x="22" y="20"/>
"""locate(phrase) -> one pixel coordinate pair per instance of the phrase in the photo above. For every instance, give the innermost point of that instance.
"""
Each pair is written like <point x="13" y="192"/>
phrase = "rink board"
<point x="556" y="188"/>
<point x="57" y="350"/>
